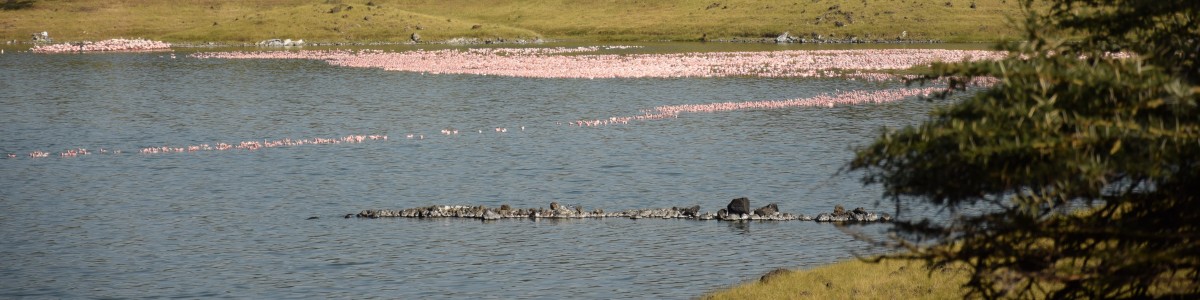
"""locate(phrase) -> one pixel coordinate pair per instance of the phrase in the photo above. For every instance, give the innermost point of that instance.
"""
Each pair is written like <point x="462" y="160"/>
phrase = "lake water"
<point x="237" y="223"/>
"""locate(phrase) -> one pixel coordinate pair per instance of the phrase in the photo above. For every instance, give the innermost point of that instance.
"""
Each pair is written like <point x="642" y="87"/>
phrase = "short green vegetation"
<point x="438" y="20"/>
<point x="889" y="279"/>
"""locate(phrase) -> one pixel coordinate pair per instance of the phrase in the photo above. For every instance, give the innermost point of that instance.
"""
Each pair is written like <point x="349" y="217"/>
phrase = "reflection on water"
<point x="235" y="224"/>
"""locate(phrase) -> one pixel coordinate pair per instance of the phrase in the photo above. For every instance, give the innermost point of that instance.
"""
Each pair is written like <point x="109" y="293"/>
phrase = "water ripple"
<point x="235" y="225"/>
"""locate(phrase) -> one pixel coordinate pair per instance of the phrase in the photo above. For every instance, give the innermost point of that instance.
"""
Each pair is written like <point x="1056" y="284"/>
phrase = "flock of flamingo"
<point x="110" y="45"/>
<point x="570" y="63"/>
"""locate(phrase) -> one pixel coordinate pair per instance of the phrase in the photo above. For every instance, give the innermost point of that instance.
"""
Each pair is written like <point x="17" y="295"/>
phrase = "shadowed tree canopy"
<point x="1082" y="163"/>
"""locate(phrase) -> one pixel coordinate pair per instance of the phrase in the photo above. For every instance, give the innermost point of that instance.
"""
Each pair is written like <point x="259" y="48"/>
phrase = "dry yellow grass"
<point x="248" y="21"/>
<point x="396" y="20"/>
<point x="691" y="19"/>
<point x="889" y="279"/>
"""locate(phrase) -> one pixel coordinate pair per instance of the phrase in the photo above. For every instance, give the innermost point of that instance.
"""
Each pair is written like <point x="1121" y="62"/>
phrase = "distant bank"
<point x="426" y="21"/>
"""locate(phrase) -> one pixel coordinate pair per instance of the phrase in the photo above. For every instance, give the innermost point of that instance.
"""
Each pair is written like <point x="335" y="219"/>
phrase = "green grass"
<point x="855" y="279"/>
<point x="598" y="20"/>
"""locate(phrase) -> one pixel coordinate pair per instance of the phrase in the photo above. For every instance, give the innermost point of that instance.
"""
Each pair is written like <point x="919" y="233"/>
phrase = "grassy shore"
<point x="394" y="21"/>
<point x="855" y="279"/>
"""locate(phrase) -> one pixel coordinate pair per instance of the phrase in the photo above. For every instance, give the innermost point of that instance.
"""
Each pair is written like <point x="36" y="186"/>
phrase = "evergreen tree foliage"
<point x="1081" y="167"/>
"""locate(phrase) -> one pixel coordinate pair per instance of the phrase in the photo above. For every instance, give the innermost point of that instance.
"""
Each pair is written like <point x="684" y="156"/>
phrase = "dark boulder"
<point x="739" y="206"/>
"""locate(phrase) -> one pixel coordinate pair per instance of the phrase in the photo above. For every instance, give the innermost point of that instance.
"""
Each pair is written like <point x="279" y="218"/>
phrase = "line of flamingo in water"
<point x="825" y="100"/>
<point x="246" y="145"/>
<point x="657" y="113"/>
<point x="568" y="63"/>
<point x="255" y="145"/>
<point x="110" y="45"/>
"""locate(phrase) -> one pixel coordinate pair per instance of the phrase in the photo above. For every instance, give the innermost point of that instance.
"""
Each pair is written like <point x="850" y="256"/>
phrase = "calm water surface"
<point x="236" y="223"/>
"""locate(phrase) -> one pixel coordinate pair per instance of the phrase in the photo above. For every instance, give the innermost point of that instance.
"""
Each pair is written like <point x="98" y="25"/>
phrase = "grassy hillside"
<point x="952" y="20"/>
<point x="396" y="20"/>
<point x="855" y="279"/>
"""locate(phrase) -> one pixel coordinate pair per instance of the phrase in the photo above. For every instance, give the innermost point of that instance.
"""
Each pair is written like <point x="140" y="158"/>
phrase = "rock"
<point x="367" y="214"/>
<point x="690" y="212"/>
<point x="786" y="37"/>
<point x="280" y="43"/>
<point x="739" y="206"/>
<point x="724" y="215"/>
<point x="416" y="38"/>
<point x="859" y="214"/>
<point x="767" y="211"/>
<point x="828" y="217"/>
<point x="773" y="274"/>
<point x="839" y="23"/>
<point x="490" y="215"/>
<point x="42" y="37"/>
<point x="313" y="218"/>
<point x="868" y="217"/>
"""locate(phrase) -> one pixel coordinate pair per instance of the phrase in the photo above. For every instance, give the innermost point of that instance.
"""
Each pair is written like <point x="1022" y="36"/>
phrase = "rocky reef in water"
<point x="737" y="210"/>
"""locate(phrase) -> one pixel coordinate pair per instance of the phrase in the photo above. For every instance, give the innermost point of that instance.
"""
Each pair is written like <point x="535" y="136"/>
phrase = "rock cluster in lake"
<point x="737" y="210"/>
<point x="280" y="43"/>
